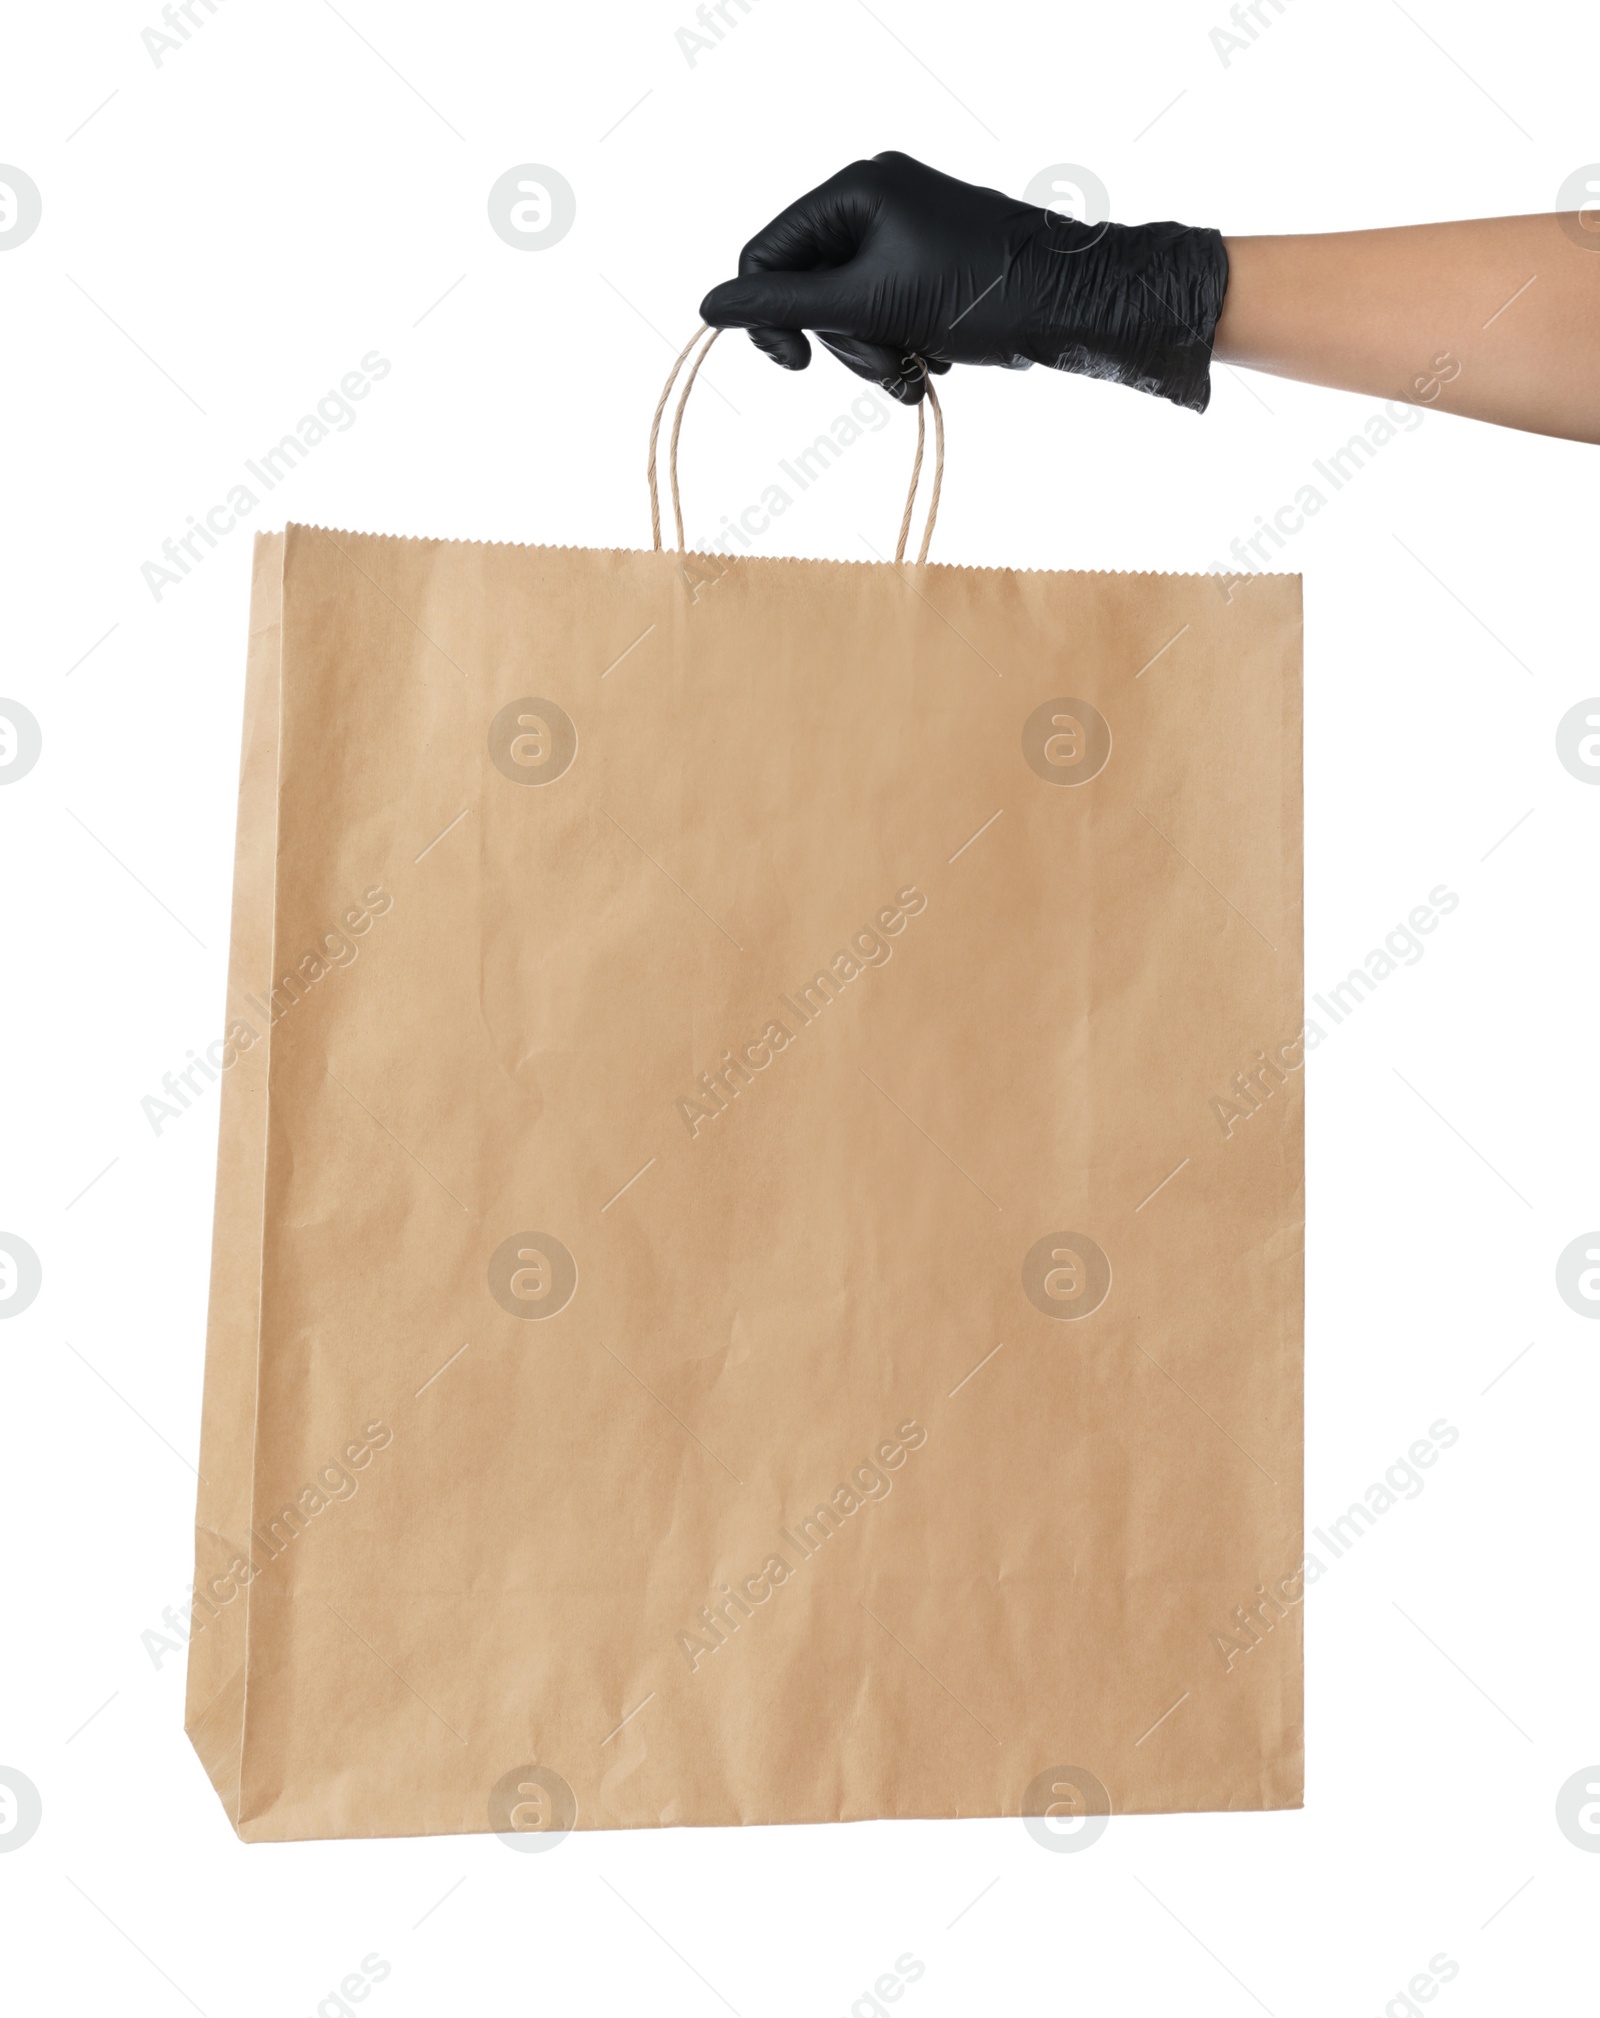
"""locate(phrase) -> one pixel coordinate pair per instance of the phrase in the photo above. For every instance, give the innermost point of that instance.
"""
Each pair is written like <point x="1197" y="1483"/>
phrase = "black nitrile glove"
<point x="890" y="262"/>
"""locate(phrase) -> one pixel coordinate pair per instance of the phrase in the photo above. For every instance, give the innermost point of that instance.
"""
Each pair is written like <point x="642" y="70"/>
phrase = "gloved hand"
<point x="890" y="262"/>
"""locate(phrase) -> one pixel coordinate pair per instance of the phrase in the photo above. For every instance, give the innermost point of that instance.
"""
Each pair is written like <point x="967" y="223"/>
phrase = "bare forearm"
<point x="1495" y="318"/>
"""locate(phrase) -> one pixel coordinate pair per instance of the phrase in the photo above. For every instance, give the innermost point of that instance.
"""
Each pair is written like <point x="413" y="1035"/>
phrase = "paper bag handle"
<point x="932" y="400"/>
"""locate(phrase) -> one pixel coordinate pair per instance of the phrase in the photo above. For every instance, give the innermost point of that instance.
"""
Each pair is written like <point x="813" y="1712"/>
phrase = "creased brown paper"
<point x="758" y="1243"/>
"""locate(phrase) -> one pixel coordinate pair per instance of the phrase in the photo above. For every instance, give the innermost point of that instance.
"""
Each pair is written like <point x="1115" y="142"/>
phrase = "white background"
<point x="223" y="239"/>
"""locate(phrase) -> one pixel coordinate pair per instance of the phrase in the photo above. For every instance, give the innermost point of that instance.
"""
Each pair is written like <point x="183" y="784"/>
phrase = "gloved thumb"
<point x="779" y="301"/>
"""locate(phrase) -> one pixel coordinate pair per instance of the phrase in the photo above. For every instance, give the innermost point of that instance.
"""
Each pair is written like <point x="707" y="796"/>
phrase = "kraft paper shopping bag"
<point x="759" y="1217"/>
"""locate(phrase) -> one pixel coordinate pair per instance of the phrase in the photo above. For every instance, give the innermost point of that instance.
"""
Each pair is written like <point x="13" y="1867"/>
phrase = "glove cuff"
<point x="1137" y="304"/>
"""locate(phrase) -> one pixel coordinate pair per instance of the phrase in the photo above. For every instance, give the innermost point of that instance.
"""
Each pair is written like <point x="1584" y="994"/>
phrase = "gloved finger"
<point x="816" y="234"/>
<point x="938" y="364"/>
<point x="896" y="373"/>
<point x="824" y="227"/>
<point x="787" y="347"/>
